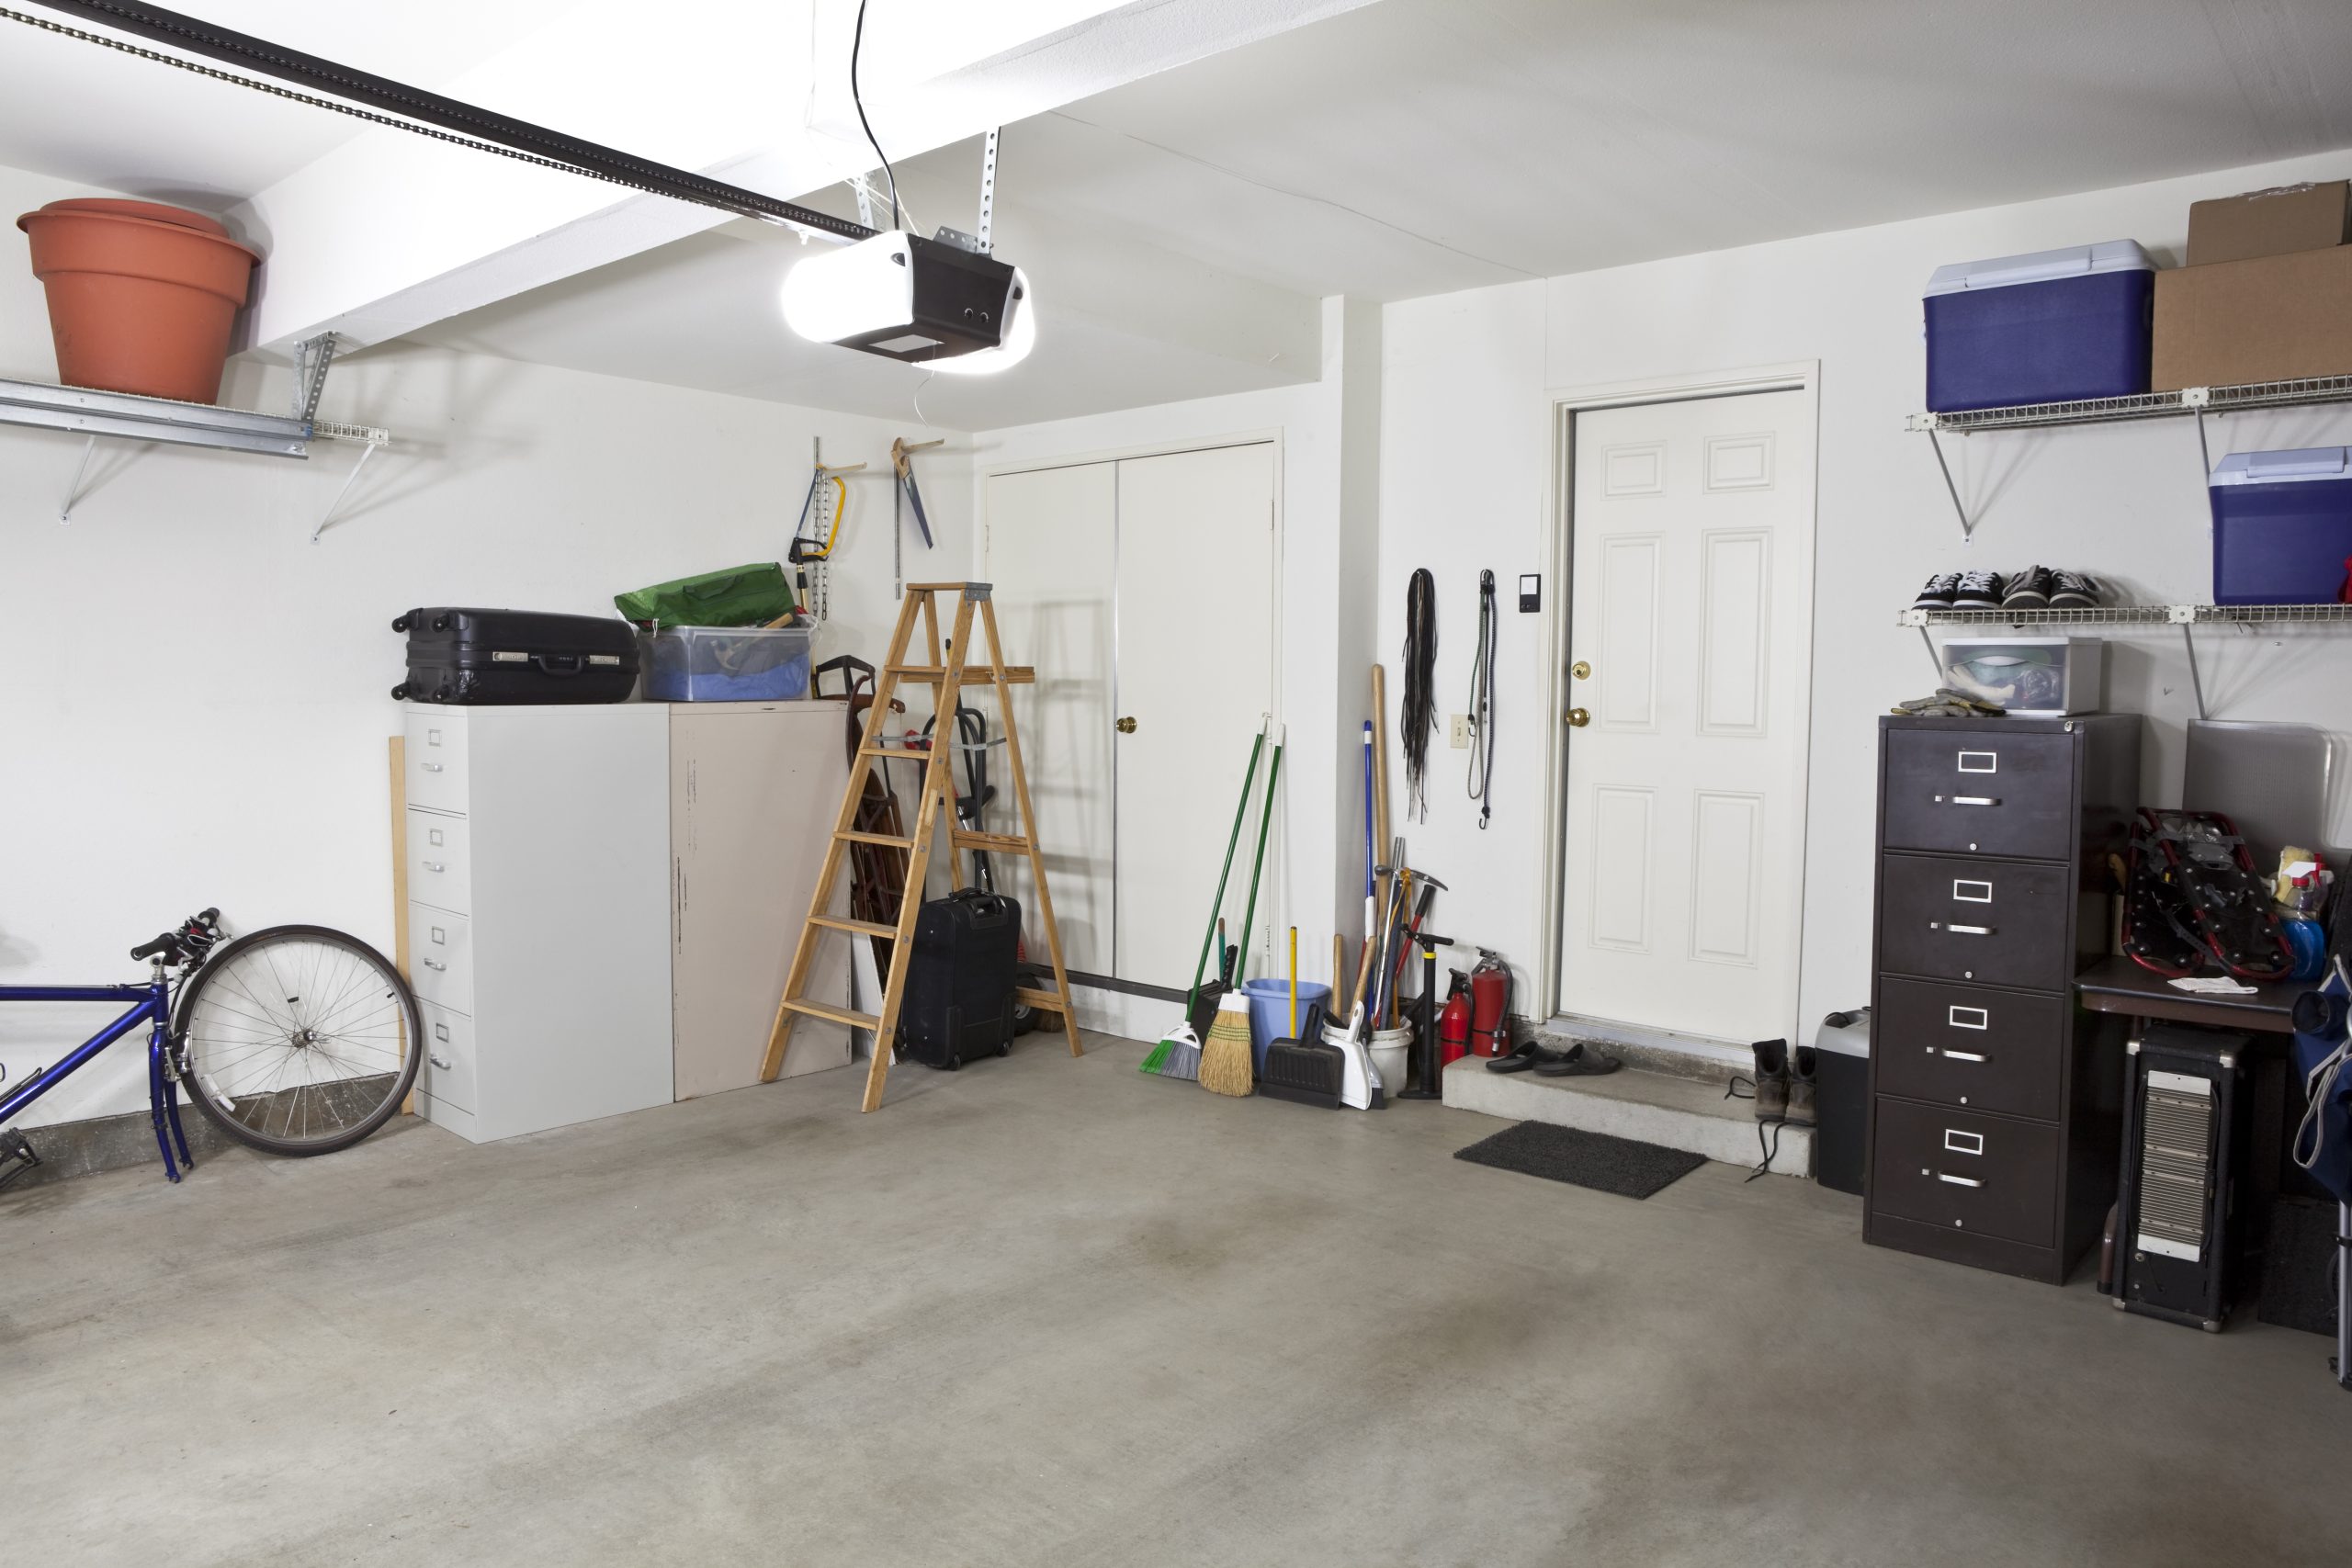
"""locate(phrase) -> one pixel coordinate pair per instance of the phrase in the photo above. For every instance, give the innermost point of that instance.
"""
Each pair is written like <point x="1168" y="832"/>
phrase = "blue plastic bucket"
<point x="1269" y="1011"/>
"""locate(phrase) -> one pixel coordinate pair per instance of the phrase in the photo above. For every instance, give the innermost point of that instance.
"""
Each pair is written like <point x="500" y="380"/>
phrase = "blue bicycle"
<point x="296" y="1039"/>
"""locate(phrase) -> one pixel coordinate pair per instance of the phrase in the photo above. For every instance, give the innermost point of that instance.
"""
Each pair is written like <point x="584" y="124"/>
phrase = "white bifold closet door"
<point x="1142" y="589"/>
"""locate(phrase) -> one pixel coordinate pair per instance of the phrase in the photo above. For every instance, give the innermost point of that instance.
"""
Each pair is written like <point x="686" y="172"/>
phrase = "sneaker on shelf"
<point x="1977" y="590"/>
<point x="2027" y="590"/>
<point x="2072" y="591"/>
<point x="1939" y="592"/>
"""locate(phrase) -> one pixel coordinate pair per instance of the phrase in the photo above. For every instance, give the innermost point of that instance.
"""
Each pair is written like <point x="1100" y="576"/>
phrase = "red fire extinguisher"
<point x="1490" y="1006"/>
<point x="1454" y="1022"/>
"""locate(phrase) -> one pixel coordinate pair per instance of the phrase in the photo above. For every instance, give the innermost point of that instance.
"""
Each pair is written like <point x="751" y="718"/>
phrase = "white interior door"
<point x="1141" y="589"/>
<point x="1690" y="601"/>
<point x="1196" y="667"/>
<point x="1051" y="550"/>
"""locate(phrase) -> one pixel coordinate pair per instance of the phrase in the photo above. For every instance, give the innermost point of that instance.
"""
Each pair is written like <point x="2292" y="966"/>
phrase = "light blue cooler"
<point x="2282" y="526"/>
<point x="2052" y="327"/>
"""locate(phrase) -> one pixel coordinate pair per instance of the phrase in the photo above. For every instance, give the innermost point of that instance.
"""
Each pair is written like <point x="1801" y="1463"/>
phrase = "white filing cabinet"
<point x="754" y="788"/>
<point x="538" y="862"/>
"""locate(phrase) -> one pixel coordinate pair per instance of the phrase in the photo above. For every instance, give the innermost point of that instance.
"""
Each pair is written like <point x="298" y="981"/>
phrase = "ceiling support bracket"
<point x="987" y="191"/>
<point x="311" y="357"/>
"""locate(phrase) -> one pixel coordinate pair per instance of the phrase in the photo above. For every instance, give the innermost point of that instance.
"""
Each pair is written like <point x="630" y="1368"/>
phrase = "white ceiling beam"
<point x="391" y="232"/>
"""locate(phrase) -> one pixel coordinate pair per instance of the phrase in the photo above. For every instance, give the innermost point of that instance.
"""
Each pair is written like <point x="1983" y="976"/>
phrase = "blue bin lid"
<point x="2040" y="266"/>
<point x="2284" y="467"/>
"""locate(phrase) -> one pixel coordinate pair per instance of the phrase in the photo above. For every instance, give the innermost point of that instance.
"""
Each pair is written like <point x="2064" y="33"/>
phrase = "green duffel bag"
<point x="741" y="596"/>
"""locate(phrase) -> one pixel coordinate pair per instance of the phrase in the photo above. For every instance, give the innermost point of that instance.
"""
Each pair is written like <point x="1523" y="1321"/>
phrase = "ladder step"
<point x="923" y="755"/>
<point x="852" y="836"/>
<point x="1014" y="675"/>
<point x="837" y="1015"/>
<point x="863" y="928"/>
<point x="1046" y="1000"/>
<point x="965" y="841"/>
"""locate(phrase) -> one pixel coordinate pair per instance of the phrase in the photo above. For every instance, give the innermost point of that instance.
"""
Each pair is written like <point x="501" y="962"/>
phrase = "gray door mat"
<point x="1605" y="1164"/>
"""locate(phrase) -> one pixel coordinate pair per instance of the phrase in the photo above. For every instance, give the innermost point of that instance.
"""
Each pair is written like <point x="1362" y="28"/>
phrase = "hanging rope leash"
<point x="1482" y="703"/>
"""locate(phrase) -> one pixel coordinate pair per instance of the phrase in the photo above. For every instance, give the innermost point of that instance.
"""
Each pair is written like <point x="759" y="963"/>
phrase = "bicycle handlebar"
<point x="168" y="942"/>
<point x="196" y="935"/>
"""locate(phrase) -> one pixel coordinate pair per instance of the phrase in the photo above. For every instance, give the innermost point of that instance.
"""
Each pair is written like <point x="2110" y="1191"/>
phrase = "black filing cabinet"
<point x="1995" y="1099"/>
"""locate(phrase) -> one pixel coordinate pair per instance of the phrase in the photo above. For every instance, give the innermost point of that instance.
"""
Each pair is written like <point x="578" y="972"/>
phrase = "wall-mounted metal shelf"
<point x="85" y="410"/>
<point x="2185" y="616"/>
<point x="2309" y="393"/>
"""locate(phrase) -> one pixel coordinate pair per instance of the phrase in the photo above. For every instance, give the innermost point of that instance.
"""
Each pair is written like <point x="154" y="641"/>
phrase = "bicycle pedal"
<point x="16" y="1153"/>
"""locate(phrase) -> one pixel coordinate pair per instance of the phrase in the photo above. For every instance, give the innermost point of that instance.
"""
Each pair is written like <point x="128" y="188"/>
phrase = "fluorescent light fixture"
<point x="926" y="302"/>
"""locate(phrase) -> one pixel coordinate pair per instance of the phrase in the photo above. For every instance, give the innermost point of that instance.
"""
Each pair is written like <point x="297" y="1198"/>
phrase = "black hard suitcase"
<point x="514" y="656"/>
<point x="959" y="991"/>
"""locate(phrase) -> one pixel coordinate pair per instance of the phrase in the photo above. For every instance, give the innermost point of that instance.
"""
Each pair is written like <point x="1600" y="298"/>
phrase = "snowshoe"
<point x="2228" y="902"/>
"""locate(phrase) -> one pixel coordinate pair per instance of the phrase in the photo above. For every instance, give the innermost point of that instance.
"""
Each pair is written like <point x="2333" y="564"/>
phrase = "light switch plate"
<point x="1460" y="731"/>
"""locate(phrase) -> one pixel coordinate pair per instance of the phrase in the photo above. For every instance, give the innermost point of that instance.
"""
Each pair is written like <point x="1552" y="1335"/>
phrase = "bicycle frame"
<point x="152" y="1004"/>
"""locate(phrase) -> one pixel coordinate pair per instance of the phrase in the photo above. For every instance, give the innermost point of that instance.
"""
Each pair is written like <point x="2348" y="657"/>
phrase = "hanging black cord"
<point x="1417" y="720"/>
<point x="1482" y="702"/>
<point x="857" y="42"/>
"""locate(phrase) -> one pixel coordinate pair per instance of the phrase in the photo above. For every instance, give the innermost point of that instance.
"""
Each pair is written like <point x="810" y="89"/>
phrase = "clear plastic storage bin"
<point x="728" y="664"/>
<point x="2034" y="677"/>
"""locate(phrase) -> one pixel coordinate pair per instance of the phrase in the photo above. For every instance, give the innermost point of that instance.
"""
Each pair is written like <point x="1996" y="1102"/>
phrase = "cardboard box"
<point x="2271" y="319"/>
<point x="2274" y="222"/>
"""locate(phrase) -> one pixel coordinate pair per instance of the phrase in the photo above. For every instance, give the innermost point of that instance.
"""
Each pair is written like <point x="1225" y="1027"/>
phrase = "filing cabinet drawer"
<point x="441" y="957"/>
<point x="1966" y="1045"/>
<point x="440" y="864"/>
<point x="1980" y="793"/>
<point x="1996" y="922"/>
<point x="1958" y="1170"/>
<point x="435" y="766"/>
<point x="448" y="1071"/>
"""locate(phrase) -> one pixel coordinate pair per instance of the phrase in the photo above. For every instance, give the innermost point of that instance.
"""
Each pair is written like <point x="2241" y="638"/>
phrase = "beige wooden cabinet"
<point x="753" y="790"/>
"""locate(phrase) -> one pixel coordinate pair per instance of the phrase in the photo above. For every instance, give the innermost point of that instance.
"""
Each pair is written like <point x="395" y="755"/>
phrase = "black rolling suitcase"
<point x="515" y="657"/>
<point x="959" y="992"/>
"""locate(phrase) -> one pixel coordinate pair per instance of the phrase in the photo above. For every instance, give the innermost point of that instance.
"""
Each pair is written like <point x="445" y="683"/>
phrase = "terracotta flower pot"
<point x="140" y="296"/>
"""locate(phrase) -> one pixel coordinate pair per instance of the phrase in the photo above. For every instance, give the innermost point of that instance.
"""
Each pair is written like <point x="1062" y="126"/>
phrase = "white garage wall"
<point x="1467" y="447"/>
<point x="194" y="702"/>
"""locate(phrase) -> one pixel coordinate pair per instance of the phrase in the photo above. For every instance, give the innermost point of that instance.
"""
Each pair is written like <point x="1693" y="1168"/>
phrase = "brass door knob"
<point x="1580" y="669"/>
<point x="1578" y="718"/>
<point x="1126" y="727"/>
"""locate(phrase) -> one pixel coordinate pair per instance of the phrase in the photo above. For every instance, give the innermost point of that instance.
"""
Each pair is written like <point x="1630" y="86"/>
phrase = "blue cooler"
<point x="2282" y="526"/>
<point x="2053" y="327"/>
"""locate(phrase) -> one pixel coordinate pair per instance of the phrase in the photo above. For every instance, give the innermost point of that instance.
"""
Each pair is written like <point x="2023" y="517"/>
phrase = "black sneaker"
<point x="1802" y="1062"/>
<point x="2072" y="591"/>
<point x="1977" y="590"/>
<point x="1939" y="592"/>
<point x="2028" y="590"/>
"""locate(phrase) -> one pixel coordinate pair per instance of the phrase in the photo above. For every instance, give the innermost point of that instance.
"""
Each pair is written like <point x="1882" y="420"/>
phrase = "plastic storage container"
<point x="2033" y="677"/>
<point x="2282" y="526"/>
<point x="1270" y="1010"/>
<point x="2052" y="327"/>
<point x="728" y="664"/>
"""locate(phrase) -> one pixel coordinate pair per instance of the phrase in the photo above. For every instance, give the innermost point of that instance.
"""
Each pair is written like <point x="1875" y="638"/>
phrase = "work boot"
<point x="1773" y="1080"/>
<point x="1801" y="1061"/>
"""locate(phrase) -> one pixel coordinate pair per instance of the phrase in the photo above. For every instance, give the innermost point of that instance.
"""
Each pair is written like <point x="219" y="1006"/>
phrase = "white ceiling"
<point x="95" y="117"/>
<point x="1415" y="147"/>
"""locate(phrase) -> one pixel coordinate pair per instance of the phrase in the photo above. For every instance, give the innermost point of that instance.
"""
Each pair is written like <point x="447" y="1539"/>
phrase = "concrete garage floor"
<point x="1048" y="1311"/>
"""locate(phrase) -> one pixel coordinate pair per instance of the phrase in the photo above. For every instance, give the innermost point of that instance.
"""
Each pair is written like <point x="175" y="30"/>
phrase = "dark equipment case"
<point x="508" y="657"/>
<point x="959" y="992"/>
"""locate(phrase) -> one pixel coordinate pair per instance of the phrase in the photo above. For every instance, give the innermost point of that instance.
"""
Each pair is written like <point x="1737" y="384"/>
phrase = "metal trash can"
<point x="1841" y="1099"/>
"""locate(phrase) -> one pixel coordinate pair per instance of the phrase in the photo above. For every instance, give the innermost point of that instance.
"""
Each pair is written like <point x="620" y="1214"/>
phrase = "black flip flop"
<point x="1578" y="1061"/>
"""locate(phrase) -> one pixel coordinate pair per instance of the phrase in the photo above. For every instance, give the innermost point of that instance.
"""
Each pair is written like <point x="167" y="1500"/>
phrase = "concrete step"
<point x="1680" y="1112"/>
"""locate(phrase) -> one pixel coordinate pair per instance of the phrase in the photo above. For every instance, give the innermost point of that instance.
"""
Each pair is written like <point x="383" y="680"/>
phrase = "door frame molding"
<point x="1561" y="407"/>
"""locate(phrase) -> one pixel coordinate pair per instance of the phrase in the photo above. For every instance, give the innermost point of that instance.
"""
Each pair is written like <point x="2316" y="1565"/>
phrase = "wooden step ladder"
<point x="946" y="670"/>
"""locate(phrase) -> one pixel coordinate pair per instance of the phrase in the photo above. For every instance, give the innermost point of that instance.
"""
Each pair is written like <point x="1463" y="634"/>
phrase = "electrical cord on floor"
<point x="1482" y="703"/>
<point x="1770" y="1151"/>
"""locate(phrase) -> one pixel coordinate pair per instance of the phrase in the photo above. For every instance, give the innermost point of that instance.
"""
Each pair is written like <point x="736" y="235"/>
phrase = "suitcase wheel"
<point x="400" y="624"/>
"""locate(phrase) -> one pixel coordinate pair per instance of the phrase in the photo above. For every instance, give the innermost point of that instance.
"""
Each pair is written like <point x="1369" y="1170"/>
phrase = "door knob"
<point x="1126" y="727"/>
<point x="1578" y="718"/>
<point x="1580" y="669"/>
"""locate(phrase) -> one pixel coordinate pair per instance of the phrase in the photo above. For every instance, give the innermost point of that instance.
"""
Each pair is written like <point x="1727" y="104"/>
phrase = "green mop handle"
<point x="1232" y="840"/>
<point x="1265" y="827"/>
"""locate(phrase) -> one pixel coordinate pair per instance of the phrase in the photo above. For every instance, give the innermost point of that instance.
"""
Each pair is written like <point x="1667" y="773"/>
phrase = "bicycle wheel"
<point x="297" y="1040"/>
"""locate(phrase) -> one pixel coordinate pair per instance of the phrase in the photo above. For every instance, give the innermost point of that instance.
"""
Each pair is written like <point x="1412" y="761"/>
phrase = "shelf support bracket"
<point x="1933" y="657"/>
<point x="2196" y="680"/>
<point x="73" y="487"/>
<point x="366" y="452"/>
<point x="311" y="357"/>
<point x="1966" y="527"/>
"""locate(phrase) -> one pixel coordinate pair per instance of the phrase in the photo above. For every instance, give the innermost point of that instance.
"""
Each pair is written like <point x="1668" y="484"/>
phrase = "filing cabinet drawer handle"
<point x="437" y="963"/>
<point x="440" y="1062"/>
<point x="1970" y="930"/>
<point x="1970" y="1017"/>
<point x="435" y="865"/>
<point x="1959" y="1180"/>
<point x="431" y="767"/>
<point x="1958" y="1143"/>
<point x="1976" y="800"/>
<point x="1964" y="890"/>
<point x="1965" y="1057"/>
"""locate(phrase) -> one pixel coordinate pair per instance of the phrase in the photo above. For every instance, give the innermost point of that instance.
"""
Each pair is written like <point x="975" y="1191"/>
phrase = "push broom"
<point x="1178" y="1055"/>
<point x="1227" y="1066"/>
